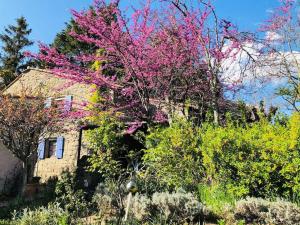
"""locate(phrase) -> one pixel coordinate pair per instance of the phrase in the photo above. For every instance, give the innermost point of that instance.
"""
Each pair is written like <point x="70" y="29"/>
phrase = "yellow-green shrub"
<point x="258" y="159"/>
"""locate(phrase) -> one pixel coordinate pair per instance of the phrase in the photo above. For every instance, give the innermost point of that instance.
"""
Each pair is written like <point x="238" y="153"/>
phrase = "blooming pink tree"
<point x="157" y="60"/>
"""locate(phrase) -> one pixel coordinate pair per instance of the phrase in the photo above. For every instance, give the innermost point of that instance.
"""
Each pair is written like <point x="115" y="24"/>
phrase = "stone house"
<point x="9" y="168"/>
<point x="56" y="151"/>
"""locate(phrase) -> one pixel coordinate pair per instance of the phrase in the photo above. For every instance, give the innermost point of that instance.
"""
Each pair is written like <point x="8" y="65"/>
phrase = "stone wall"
<point x="9" y="169"/>
<point x="51" y="167"/>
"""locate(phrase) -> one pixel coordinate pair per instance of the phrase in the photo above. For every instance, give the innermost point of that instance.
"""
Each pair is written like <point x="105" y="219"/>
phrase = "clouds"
<point x="273" y="36"/>
<point x="251" y="63"/>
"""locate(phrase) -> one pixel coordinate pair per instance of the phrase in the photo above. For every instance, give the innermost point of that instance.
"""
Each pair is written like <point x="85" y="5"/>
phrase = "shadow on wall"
<point x="10" y="171"/>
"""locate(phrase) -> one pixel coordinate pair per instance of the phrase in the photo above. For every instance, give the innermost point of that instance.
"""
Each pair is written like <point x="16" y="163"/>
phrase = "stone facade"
<point x="41" y="82"/>
<point x="9" y="169"/>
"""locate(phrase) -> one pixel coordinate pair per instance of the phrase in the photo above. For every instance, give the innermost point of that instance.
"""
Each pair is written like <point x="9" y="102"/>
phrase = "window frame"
<point x="48" y="141"/>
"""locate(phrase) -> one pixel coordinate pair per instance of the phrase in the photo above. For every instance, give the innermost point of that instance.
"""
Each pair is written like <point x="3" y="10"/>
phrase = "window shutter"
<point x="68" y="103"/>
<point x="48" y="103"/>
<point x="59" y="147"/>
<point x="41" y="149"/>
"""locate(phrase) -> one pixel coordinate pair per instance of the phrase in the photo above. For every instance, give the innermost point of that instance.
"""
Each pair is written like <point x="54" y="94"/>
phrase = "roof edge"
<point x="22" y="74"/>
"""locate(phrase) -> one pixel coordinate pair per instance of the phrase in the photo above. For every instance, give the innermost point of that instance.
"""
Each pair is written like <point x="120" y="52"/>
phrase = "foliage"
<point x="167" y="208"/>
<point x="5" y="222"/>
<point x="256" y="210"/>
<point x="173" y="154"/>
<point x="18" y="204"/>
<point x="148" y="182"/>
<point x="67" y="44"/>
<point x="53" y="214"/>
<point x="70" y="197"/>
<point x="27" y="118"/>
<point x="113" y="150"/>
<point x="217" y="199"/>
<point x="258" y="159"/>
<point x="177" y="207"/>
<point x="160" y="208"/>
<point x="110" y="200"/>
<point x="14" y="40"/>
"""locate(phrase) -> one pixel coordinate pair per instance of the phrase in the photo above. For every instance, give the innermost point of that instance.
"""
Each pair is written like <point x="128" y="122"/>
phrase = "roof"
<point x="22" y="74"/>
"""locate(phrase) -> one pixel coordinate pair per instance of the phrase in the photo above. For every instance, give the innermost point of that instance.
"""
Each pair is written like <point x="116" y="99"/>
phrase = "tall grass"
<point x="216" y="198"/>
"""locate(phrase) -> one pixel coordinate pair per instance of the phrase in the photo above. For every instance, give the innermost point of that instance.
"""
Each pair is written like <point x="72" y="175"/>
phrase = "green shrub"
<point x="257" y="210"/>
<point x="173" y="154"/>
<point x="6" y="222"/>
<point x="258" y="159"/>
<point x="109" y="198"/>
<point x="107" y="145"/>
<point x="113" y="149"/>
<point x="216" y="199"/>
<point x="51" y="215"/>
<point x="70" y="197"/>
<point x="19" y="203"/>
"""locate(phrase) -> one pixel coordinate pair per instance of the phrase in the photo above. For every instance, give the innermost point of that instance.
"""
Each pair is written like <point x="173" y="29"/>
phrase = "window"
<point x="64" y="104"/>
<point x="50" y="148"/>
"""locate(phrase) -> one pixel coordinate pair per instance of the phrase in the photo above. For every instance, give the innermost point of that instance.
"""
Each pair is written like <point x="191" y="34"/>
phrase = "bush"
<point x="257" y="210"/>
<point x="70" y="197"/>
<point x="140" y="208"/>
<point x="51" y="215"/>
<point x="260" y="159"/>
<point x="173" y="154"/>
<point x="177" y="207"/>
<point x="216" y="199"/>
<point x="5" y="222"/>
<point x="109" y="198"/>
<point x="167" y="208"/>
<point x="113" y="149"/>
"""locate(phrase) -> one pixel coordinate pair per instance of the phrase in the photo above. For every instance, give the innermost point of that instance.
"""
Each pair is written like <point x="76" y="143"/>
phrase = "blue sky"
<point x="47" y="17"/>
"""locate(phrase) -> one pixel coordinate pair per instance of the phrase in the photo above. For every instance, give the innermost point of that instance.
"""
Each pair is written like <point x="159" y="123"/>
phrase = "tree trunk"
<point x="215" y="108"/>
<point x="24" y="179"/>
<point x="215" y="97"/>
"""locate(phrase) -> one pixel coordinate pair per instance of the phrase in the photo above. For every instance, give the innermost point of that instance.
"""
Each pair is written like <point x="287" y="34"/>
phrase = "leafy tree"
<point x="23" y="121"/>
<point x="14" y="40"/>
<point x="67" y="44"/>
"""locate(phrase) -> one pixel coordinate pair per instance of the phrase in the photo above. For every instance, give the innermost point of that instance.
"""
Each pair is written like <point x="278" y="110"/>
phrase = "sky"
<point x="47" y="17"/>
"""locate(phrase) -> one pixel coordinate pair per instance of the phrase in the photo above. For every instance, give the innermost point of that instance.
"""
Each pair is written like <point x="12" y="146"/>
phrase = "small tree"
<point x="23" y="121"/>
<point x="14" y="40"/>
